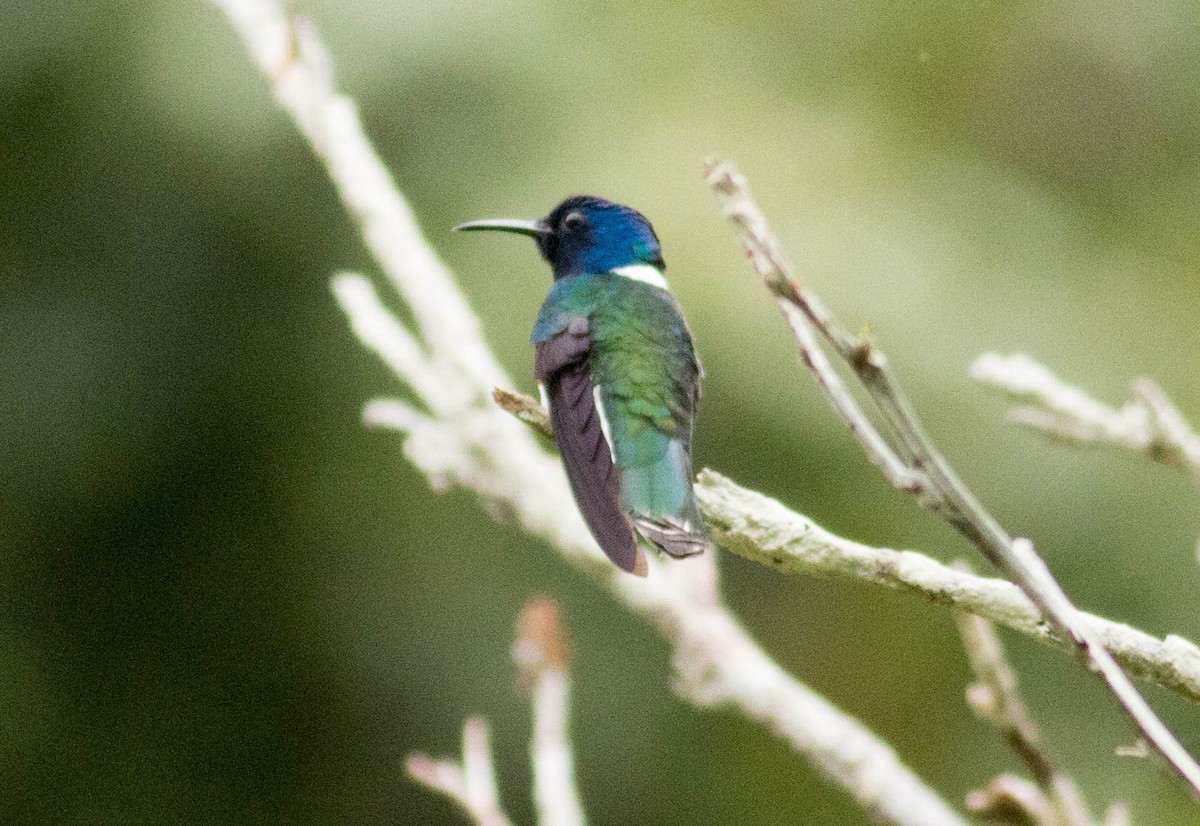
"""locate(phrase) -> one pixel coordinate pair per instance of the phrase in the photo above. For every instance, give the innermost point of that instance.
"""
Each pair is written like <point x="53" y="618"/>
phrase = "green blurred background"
<point x="224" y="601"/>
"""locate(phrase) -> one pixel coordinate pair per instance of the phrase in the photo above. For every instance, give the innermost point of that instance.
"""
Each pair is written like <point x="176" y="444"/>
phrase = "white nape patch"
<point x="603" y="421"/>
<point x="646" y="273"/>
<point x="545" y="398"/>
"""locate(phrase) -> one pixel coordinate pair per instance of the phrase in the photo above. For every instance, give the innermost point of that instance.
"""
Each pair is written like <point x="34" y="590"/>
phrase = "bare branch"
<point x="1176" y="443"/>
<point x="542" y="654"/>
<point x="1117" y="815"/>
<point x="471" y="784"/>
<point x="383" y="333"/>
<point x="930" y="476"/>
<point x="526" y="409"/>
<point x="764" y="530"/>
<point x="1150" y="424"/>
<point x="995" y="698"/>
<point x="288" y="50"/>
<point x="1013" y="800"/>
<point x="470" y="442"/>
<point x="803" y="311"/>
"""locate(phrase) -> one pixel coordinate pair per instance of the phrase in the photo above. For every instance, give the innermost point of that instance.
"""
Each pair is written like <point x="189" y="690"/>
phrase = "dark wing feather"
<point x="567" y="347"/>
<point x="561" y="365"/>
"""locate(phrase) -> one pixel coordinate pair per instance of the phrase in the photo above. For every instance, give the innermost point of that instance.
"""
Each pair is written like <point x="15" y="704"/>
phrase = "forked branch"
<point x="1149" y="424"/>
<point x="911" y="461"/>
<point x="540" y="652"/>
<point x="1055" y="800"/>
<point x="470" y="783"/>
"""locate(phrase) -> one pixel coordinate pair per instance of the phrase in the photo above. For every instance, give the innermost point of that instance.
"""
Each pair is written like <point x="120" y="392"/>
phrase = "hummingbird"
<point x="614" y="362"/>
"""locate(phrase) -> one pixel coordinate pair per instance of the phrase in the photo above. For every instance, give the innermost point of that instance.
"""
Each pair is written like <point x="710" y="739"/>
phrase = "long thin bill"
<point x="534" y="228"/>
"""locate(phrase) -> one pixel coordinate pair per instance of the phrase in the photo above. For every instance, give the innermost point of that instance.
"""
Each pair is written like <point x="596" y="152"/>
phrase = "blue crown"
<point x="586" y="234"/>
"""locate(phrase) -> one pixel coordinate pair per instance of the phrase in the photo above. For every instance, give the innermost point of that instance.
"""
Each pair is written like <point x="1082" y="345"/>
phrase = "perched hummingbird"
<point x="616" y="367"/>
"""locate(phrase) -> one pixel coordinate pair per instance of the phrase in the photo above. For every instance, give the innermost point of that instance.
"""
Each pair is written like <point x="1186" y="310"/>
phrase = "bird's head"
<point x="586" y="234"/>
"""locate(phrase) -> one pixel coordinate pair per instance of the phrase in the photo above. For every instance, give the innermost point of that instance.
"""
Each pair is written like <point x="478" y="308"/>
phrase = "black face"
<point x="567" y="225"/>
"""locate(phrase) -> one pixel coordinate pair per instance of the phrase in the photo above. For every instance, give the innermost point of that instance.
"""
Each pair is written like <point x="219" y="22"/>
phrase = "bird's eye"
<point x="574" y="220"/>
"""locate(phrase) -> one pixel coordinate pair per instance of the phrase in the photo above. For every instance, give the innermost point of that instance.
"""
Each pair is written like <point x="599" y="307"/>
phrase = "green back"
<point x="643" y="361"/>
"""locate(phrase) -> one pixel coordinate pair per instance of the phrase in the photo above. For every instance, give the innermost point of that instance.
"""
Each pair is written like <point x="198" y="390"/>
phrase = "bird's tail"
<point x="675" y="540"/>
<point x="663" y="505"/>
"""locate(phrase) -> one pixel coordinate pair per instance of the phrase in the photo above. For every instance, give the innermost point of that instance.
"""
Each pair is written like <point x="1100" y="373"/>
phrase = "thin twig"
<point x="468" y="441"/>
<point x="472" y="783"/>
<point x="1178" y="443"/>
<point x="525" y="408"/>
<point x="995" y="698"/>
<point x="1012" y="800"/>
<point x="1149" y="424"/>
<point x="542" y="655"/>
<point x="930" y="476"/>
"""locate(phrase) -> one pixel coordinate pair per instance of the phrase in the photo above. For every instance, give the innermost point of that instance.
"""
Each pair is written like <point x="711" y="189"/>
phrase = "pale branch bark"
<point x="472" y="783"/>
<point x="764" y="530"/>
<point x="1012" y="800"/>
<point x="542" y="655"/>
<point x="525" y="408"/>
<point x="1053" y="799"/>
<point x="287" y="49"/>
<point x="995" y="698"/>
<point x="1118" y="815"/>
<point x="1019" y="802"/>
<point x="1149" y="424"/>
<point x="462" y="438"/>
<point x="929" y="476"/>
<point x="540" y="652"/>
